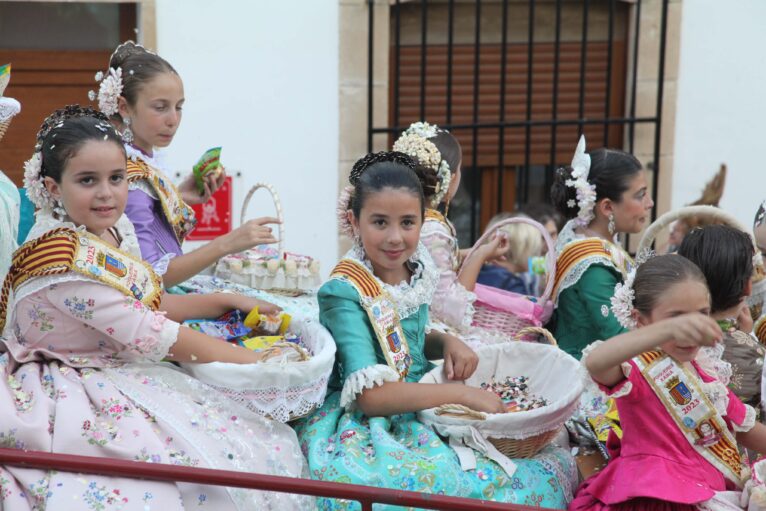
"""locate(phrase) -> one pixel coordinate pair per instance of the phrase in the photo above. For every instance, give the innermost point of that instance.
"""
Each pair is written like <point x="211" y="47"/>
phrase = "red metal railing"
<point x="365" y="495"/>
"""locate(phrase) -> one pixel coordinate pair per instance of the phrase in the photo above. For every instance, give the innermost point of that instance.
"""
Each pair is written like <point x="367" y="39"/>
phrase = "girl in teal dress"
<point x="603" y="193"/>
<point x="376" y="306"/>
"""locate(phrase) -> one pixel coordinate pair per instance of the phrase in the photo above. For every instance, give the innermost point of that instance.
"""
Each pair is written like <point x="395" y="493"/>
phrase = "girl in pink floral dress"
<point x="83" y="371"/>
<point x="681" y="426"/>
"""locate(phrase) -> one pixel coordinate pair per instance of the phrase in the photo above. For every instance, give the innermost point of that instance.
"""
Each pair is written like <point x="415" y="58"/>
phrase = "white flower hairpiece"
<point x="33" y="182"/>
<point x="418" y="146"/>
<point x="344" y="204"/>
<point x="586" y="191"/>
<point x="109" y="91"/>
<point x="423" y="129"/>
<point x="622" y="301"/>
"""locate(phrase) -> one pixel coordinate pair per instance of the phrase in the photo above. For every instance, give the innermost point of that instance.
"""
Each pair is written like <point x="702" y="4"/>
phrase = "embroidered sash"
<point x="381" y="311"/>
<point x="179" y="215"/>
<point x="579" y="251"/>
<point x="691" y="410"/>
<point x="63" y="250"/>
<point x="759" y="329"/>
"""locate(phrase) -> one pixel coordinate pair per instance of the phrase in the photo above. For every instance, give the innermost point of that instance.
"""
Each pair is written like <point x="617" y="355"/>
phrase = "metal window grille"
<point x="518" y="106"/>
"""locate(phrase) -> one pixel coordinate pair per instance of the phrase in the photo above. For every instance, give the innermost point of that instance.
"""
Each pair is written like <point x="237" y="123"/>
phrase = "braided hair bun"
<point x="367" y="161"/>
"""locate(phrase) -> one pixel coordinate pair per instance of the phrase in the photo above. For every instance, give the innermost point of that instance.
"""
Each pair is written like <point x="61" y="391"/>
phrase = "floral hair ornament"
<point x="622" y="302"/>
<point x="586" y="191"/>
<point x="109" y="91"/>
<point x="415" y="143"/>
<point x="33" y="167"/>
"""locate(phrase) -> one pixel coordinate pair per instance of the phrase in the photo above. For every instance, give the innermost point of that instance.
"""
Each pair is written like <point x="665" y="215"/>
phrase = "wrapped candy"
<point x="209" y="163"/>
<point x="514" y="392"/>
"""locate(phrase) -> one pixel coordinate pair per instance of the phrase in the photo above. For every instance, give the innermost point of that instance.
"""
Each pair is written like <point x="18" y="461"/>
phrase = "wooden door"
<point x="44" y="79"/>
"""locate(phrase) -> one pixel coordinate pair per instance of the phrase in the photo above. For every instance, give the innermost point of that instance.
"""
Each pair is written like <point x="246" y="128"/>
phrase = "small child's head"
<point x="387" y="208"/>
<point x="725" y="256"/>
<point x="152" y="96"/>
<point x="82" y="168"/>
<point x="667" y="286"/>
<point x="524" y="240"/>
<point x="439" y="157"/>
<point x="621" y="190"/>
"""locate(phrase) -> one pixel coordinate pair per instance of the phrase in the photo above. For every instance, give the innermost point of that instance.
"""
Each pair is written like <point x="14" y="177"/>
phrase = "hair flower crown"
<point x="586" y="191"/>
<point x="414" y="142"/>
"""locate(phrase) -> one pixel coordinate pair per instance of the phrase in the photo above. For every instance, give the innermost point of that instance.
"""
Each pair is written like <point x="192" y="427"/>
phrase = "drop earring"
<point x="59" y="210"/>
<point x="611" y="225"/>
<point x="127" y="133"/>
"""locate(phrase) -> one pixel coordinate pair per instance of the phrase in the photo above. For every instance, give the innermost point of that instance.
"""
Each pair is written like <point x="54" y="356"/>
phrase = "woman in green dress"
<point x="603" y="193"/>
<point x="376" y="307"/>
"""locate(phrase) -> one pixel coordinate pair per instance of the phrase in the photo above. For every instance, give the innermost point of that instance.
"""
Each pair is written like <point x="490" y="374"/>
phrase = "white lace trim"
<point x="718" y="395"/>
<point x="168" y="337"/>
<point x="366" y="378"/>
<point x="8" y="108"/>
<point x="593" y="386"/>
<point x="158" y="161"/>
<point x="710" y="359"/>
<point x="160" y="266"/>
<point x="748" y="423"/>
<point x="408" y="296"/>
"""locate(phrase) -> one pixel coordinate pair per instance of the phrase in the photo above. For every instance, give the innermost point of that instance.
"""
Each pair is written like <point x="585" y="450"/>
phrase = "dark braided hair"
<point x="65" y="131"/>
<point x="387" y="169"/>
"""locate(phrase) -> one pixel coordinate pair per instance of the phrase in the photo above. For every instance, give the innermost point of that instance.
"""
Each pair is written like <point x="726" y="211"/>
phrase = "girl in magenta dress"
<point x="681" y="426"/>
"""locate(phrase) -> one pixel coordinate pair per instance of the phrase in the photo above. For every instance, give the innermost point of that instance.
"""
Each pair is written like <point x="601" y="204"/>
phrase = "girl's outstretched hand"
<point x="496" y="248"/>
<point x="694" y="329"/>
<point x="482" y="400"/>
<point x="246" y="236"/>
<point x="460" y="361"/>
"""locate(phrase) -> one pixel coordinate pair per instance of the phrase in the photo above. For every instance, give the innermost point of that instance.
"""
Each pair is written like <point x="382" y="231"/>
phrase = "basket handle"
<point x="277" y="206"/>
<point x="711" y="212"/>
<point x="460" y="411"/>
<point x="550" y="257"/>
<point x="539" y="331"/>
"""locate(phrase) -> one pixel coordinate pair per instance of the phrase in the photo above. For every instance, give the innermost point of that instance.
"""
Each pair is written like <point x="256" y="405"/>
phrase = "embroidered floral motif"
<point x="80" y="308"/>
<point x="5" y="490"/>
<point x="22" y="399"/>
<point x="40" y="319"/>
<point x="99" y="497"/>
<point x="113" y="408"/>
<point x="605" y="311"/>
<point x="9" y="440"/>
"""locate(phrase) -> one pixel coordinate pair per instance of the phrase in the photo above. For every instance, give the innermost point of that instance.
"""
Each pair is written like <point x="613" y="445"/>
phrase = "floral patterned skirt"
<point x="148" y="412"/>
<point x="401" y="453"/>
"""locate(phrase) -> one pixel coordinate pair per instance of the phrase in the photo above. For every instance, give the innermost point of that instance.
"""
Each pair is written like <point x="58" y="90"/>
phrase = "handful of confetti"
<point x="514" y="391"/>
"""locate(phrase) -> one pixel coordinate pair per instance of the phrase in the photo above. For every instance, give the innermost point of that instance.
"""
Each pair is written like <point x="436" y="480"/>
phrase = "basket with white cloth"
<point x="267" y="268"/>
<point x="280" y="388"/>
<point x="552" y="374"/>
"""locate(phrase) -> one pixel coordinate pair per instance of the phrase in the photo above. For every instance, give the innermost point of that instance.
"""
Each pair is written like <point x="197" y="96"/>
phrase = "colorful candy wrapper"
<point x="276" y="324"/>
<point x="229" y="327"/>
<point x="261" y="342"/>
<point x="208" y="163"/>
<point x="537" y="265"/>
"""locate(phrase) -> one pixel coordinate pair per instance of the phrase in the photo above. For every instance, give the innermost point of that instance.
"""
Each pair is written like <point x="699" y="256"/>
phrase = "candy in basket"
<point x="267" y="268"/>
<point x="541" y="386"/>
<point x="291" y="382"/>
<point x="506" y="312"/>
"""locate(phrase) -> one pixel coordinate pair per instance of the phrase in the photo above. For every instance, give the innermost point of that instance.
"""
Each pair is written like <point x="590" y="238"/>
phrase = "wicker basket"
<point x="510" y="444"/>
<point x="506" y="312"/>
<point x="277" y="281"/>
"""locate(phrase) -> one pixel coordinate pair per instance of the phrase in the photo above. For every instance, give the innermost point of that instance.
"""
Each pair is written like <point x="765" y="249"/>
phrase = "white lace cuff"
<point x="366" y="378"/>
<point x="160" y="266"/>
<point x="624" y="387"/>
<point x="748" y="423"/>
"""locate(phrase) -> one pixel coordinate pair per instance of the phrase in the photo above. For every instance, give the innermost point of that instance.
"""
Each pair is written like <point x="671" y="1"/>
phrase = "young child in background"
<point x="511" y="272"/>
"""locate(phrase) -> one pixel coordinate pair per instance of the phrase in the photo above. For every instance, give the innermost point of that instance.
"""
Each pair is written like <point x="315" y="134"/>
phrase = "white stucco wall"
<point x="261" y="80"/>
<point x="721" y="113"/>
